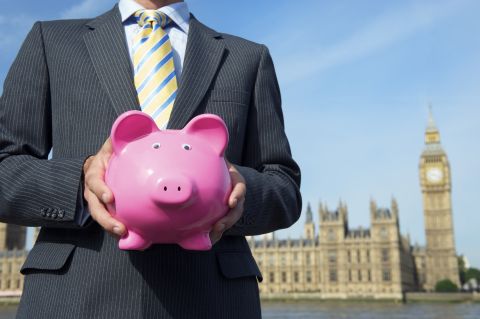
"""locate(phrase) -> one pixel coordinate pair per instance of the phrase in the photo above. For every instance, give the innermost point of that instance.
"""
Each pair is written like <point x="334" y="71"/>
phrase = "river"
<point x="328" y="310"/>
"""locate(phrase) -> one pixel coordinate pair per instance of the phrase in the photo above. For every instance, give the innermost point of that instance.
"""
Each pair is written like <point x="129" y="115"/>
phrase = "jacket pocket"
<point x="47" y="256"/>
<point x="238" y="264"/>
<point x="229" y="95"/>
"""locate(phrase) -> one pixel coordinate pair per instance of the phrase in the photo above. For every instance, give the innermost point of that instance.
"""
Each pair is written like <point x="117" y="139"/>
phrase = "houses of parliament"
<point x="335" y="260"/>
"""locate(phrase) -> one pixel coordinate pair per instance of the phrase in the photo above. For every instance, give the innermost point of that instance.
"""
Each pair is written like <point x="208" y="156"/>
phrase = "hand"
<point x="96" y="192"/>
<point x="235" y="202"/>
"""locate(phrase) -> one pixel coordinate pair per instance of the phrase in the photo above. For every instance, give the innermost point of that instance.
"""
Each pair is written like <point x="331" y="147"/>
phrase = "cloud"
<point x="86" y="9"/>
<point x="385" y="31"/>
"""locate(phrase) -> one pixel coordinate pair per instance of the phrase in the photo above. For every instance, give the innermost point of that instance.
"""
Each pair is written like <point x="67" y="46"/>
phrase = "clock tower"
<point x="436" y="185"/>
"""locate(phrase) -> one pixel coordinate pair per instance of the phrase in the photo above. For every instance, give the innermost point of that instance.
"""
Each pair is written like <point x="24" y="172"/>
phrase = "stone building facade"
<point x="12" y="257"/>
<point x="337" y="261"/>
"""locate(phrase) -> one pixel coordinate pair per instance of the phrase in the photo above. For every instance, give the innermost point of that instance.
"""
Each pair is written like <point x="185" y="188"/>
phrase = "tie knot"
<point x="151" y="17"/>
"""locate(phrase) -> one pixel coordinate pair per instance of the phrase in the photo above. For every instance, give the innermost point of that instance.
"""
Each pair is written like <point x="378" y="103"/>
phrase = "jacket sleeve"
<point x="273" y="200"/>
<point x="34" y="191"/>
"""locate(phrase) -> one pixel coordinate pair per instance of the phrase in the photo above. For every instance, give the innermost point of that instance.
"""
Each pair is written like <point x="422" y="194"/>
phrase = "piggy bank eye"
<point x="156" y="145"/>
<point x="186" y="147"/>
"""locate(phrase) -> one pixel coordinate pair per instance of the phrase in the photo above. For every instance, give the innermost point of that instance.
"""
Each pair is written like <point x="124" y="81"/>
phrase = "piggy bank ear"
<point x="131" y="126"/>
<point x="212" y="129"/>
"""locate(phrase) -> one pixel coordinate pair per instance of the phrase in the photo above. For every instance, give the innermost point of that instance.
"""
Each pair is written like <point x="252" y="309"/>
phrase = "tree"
<point x="461" y="268"/>
<point x="472" y="273"/>
<point x="446" y="285"/>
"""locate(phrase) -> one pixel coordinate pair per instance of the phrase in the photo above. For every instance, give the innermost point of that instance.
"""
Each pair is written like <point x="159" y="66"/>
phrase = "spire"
<point x="431" y="126"/>
<point x="309" y="214"/>
<point x="432" y="135"/>
<point x="373" y="208"/>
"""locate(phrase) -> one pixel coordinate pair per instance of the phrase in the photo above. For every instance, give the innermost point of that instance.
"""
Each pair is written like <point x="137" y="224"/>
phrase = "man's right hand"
<point x="96" y="192"/>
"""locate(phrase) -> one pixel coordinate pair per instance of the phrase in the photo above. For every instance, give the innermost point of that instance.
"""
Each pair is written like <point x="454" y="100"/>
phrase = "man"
<point x="69" y="82"/>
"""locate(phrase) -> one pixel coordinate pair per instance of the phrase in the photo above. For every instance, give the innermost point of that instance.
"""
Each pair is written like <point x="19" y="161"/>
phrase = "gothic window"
<point x="358" y="256"/>
<point x="308" y="276"/>
<point x="385" y="255"/>
<point x="331" y="234"/>
<point x="307" y="257"/>
<point x="333" y="275"/>
<point x="271" y="260"/>
<point x="386" y="275"/>
<point x="359" y="275"/>
<point x="369" y="275"/>
<point x="349" y="275"/>
<point x="284" y="276"/>
<point x="368" y="255"/>
<point x="332" y="256"/>
<point x="295" y="276"/>
<point x="272" y="277"/>
<point x="384" y="233"/>
<point x="283" y="259"/>
<point x="349" y="256"/>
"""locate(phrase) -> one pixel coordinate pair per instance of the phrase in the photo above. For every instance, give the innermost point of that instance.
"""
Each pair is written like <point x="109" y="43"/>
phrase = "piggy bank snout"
<point x="174" y="190"/>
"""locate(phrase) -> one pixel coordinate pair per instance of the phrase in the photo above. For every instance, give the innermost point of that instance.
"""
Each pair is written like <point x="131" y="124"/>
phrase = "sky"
<point x="356" y="79"/>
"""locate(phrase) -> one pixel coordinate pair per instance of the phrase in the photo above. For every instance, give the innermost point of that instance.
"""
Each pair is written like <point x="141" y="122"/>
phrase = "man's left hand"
<point x="235" y="202"/>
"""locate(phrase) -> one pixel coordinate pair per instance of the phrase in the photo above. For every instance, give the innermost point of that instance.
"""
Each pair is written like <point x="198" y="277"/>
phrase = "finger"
<point x="230" y="219"/>
<point x="239" y="185"/>
<point x="238" y="193"/>
<point x="215" y="237"/>
<point x="106" y="151"/>
<point x="103" y="217"/>
<point x="96" y="184"/>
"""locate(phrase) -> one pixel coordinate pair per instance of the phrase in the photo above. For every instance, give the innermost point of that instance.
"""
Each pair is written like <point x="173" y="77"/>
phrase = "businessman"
<point x="68" y="84"/>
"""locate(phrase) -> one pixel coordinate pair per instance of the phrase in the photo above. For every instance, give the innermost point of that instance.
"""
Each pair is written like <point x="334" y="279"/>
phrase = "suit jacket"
<point x="69" y="82"/>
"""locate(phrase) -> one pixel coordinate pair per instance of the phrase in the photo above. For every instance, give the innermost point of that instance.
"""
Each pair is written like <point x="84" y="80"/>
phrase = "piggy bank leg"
<point x="197" y="242"/>
<point x="133" y="241"/>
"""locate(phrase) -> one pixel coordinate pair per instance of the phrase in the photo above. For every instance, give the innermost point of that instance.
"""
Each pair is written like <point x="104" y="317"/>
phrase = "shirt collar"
<point x="178" y="12"/>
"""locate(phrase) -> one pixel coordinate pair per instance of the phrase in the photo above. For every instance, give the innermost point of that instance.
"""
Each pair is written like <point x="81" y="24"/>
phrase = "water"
<point x="332" y="310"/>
<point x="327" y="310"/>
<point x="7" y="312"/>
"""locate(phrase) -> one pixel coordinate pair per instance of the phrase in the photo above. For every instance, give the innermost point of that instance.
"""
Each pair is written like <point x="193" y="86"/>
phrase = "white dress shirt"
<point x="177" y="31"/>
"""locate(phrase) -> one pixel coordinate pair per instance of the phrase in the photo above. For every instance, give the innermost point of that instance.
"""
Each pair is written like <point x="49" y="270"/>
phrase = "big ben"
<point x="436" y="185"/>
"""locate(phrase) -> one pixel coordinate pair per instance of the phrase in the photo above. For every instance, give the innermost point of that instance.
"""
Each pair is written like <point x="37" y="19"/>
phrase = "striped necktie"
<point x="155" y="78"/>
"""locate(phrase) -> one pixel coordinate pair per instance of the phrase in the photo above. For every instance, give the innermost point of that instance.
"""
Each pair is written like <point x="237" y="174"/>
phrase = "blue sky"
<point x="356" y="79"/>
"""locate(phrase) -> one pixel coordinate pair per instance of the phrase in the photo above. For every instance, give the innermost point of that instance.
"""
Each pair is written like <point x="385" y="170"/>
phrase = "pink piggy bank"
<point x="170" y="186"/>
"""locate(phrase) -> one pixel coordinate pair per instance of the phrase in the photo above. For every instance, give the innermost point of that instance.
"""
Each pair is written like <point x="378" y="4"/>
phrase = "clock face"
<point x="434" y="174"/>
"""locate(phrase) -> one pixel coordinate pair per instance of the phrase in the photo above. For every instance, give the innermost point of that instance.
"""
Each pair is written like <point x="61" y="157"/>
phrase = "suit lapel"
<point x="108" y="51"/>
<point x="203" y="56"/>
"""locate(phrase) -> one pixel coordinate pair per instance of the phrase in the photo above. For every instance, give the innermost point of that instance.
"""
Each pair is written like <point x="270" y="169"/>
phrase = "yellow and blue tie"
<point x="155" y="78"/>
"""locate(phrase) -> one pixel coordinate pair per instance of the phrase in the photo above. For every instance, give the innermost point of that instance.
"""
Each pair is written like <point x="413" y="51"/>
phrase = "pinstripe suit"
<point x="69" y="82"/>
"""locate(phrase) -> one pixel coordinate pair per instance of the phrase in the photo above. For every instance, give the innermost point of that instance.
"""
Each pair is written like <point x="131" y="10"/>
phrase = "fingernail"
<point x="221" y="227"/>
<point x="105" y="197"/>
<point x="117" y="230"/>
<point x="234" y="202"/>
